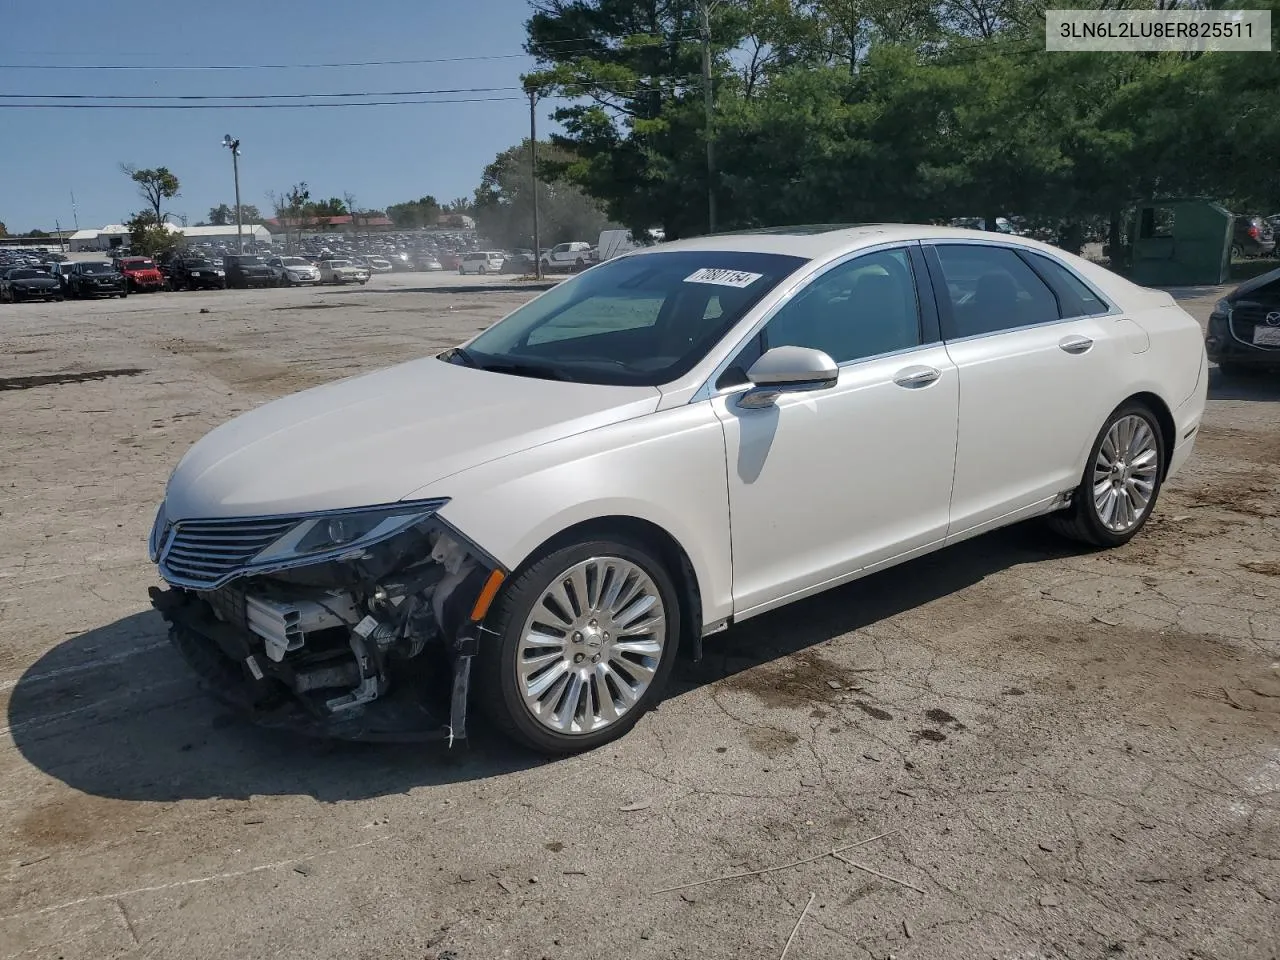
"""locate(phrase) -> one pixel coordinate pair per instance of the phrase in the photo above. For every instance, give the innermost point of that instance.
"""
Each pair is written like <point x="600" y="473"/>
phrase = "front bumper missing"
<point x="423" y="704"/>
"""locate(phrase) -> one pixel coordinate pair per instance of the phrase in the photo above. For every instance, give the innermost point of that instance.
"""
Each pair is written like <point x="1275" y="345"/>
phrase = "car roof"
<point x="820" y="241"/>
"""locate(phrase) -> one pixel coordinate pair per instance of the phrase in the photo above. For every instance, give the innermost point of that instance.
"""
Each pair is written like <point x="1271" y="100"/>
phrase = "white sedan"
<point x="670" y="443"/>
<point x="342" y="271"/>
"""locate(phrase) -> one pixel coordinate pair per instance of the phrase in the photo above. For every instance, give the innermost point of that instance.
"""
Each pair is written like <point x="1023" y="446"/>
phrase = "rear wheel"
<point x="1237" y="252"/>
<point x="586" y="639"/>
<point x="1121" y="480"/>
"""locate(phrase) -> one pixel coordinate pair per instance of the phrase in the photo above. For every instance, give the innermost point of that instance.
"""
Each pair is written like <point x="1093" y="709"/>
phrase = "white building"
<point x="117" y="235"/>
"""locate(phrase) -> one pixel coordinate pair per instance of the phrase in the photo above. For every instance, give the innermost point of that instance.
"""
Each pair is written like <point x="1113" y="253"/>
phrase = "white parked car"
<point x="379" y="264"/>
<point x="672" y="442"/>
<point x="567" y="256"/>
<point x="293" y="271"/>
<point x="342" y="271"/>
<point x="481" y="261"/>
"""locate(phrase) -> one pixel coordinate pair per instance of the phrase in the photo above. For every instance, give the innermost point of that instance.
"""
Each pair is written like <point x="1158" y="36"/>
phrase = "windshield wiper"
<point x="455" y="354"/>
<point x="518" y="369"/>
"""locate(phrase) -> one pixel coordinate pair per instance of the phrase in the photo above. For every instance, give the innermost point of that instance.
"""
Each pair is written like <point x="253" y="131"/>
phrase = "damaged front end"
<point x="354" y="624"/>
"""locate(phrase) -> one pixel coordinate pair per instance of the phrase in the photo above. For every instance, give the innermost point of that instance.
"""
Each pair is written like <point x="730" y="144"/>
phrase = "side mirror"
<point x="788" y="370"/>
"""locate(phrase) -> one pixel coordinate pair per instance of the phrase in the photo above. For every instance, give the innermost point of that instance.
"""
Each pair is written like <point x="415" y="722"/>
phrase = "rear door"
<point x="1037" y="368"/>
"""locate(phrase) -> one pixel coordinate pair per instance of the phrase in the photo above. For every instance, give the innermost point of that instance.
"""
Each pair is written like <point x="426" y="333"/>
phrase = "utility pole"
<point x="234" y="147"/>
<point x="74" y="215"/>
<point x="705" y="8"/>
<point x="533" y="174"/>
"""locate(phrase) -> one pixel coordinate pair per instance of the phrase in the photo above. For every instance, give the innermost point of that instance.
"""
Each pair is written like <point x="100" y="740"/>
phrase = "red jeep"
<point x="141" y="275"/>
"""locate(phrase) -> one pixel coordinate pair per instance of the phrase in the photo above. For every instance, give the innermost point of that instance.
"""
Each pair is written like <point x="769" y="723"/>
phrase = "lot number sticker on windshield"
<point x="722" y="277"/>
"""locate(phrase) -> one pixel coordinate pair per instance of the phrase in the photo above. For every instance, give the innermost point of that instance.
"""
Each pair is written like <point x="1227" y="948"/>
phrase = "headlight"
<point x="1223" y="307"/>
<point x="158" y="528"/>
<point x="335" y="535"/>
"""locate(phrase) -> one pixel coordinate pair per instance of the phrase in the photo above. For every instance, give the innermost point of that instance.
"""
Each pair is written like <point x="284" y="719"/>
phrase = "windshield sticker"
<point x="722" y="277"/>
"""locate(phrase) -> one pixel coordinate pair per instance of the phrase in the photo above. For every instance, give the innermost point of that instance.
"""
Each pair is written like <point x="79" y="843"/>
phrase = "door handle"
<point x="915" y="377"/>
<point x="1075" y="344"/>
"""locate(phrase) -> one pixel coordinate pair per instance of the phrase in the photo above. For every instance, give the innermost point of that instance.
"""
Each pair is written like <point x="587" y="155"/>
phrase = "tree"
<point x="223" y="215"/>
<point x="423" y="212"/>
<point x="333" y="207"/>
<point x="4" y="231"/>
<point x="149" y="236"/>
<point x="504" y="201"/>
<point x="154" y="185"/>
<point x="37" y="233"/>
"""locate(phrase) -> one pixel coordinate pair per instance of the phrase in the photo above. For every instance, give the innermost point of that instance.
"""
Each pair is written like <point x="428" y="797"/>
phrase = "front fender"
<point x="667" y="468"/>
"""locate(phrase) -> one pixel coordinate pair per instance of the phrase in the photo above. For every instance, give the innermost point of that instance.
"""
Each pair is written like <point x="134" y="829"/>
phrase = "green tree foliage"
<point x="4" y="231"/>
<point x="148" y="236"/>
<point x="223" y="215"/>
<point x="867" y="110"/>
<point x="504" y="201"/>
<point x="155" y="185"/>
<point x="412" y="214"/>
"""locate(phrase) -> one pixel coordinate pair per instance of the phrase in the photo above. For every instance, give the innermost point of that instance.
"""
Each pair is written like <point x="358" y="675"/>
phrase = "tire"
<point x="501" y="686"/>
<point x="483" y="269"/>
<point x="1237" y="252"/>
<point x="1084" y="520"/>
<point x="579" y="266"/>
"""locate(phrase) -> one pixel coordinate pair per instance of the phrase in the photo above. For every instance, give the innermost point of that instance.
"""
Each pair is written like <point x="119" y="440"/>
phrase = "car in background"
<point x="141" y="274"/>
<point x="61" y="272"/>
<point x="28" y="283"/>
<point x="428" y="262"/>
<point x="400" y="262"/>
<point x="1244" y="327"/>
<point x="450" y="260"/>
<point x="481" y="262"/>
<point x="196" y="273"/>
<point x="520" y="264"/>
<point x="341" y="271"/>
<point x="1252" y="236"/>
<point x="96" y="278"/>
<point x="567" y="256"/>
<point x="293" y="271"/>
<point x="246" y="270"/>
<point x="379" y="264"/>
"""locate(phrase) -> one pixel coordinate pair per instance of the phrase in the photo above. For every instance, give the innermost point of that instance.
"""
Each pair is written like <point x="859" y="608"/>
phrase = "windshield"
<point x="139" y="265"/>
<point x="246" y="261"/>
<point x="96" y="268"/>
<point x="339" y="263"/>
<point x="25" y="274"/>
<point x="641" y="320"/>
<point x="294" y="262"/>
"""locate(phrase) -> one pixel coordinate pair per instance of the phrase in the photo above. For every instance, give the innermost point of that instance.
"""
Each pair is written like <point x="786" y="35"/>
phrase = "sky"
<point x="380" y="154"/>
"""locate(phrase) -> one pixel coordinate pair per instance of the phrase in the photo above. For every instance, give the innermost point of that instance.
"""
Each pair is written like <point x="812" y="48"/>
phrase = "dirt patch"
<point x="1248" y="493"/>
<point x="58" y="379"/>
<point x="1268" y="568"/>
<point x="795" y="681"/>
<point x="76" y="820"/>
<point x="1235" y="444"/>
<point x="770" y="743"/>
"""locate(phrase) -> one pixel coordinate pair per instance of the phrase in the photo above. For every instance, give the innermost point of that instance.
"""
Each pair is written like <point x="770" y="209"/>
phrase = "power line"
<point x="327" y="66"/>
<point x="241" y="106"/>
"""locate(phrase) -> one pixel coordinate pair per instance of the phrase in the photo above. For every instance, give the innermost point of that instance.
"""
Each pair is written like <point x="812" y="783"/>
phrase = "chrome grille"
<point x="1244" y="319"/>
<point x="207" y="553"/>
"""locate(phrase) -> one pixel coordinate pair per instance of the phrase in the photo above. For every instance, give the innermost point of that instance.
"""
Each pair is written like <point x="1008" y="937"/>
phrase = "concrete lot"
<point x="1069" y="754"/>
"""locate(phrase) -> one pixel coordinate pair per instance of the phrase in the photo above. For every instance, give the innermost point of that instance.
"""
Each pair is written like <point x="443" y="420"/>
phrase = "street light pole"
<point x="533" y="175"/>
<point x="234" y="147"/>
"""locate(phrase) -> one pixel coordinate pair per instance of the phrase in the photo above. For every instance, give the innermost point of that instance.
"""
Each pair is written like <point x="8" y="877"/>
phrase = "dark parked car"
<point x="1244" y="328"/>
<point x="28" y="283"/>
<point x="1252" y="237"/>
<point x="197" y="273"/>
<point x="248" y="270"/>
<point x="92" y="278"/>
<point x="519" y="263"/>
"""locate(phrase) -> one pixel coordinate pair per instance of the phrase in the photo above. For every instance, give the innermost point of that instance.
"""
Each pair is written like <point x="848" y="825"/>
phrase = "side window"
<point x="859" y="309"/>
<point x="992" y="289"/>
<point x="1074" y="294"/>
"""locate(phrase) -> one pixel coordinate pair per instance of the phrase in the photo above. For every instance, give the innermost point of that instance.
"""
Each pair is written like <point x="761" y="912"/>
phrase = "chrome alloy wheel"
<point x="591" y="645"/>
<point x="1124" y="474"/>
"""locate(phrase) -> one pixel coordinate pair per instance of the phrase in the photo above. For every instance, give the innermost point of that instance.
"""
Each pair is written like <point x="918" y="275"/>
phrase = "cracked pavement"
<point x="1073" y="754"/>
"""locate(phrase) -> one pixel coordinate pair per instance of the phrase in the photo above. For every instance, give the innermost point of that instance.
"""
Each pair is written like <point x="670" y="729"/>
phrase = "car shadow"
<point x="115" y="713"/>
<point x="1252" y="385"/>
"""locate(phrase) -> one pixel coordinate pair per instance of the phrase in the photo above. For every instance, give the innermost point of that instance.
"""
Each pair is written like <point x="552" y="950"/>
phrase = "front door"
<point x="824" y="484"/>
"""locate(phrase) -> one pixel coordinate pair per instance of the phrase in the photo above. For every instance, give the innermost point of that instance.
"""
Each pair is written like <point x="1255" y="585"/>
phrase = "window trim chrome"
<point x="708" y="390"/>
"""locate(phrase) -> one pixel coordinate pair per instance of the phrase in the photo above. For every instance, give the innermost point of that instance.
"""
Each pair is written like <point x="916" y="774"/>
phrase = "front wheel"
<point x="1121" y="480"/>
<point x="586" y="638"/>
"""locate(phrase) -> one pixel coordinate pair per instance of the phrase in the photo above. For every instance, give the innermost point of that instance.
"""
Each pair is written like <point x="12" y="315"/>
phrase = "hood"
<point x="1265" y="286"/>
<point x="377" y="438"/>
